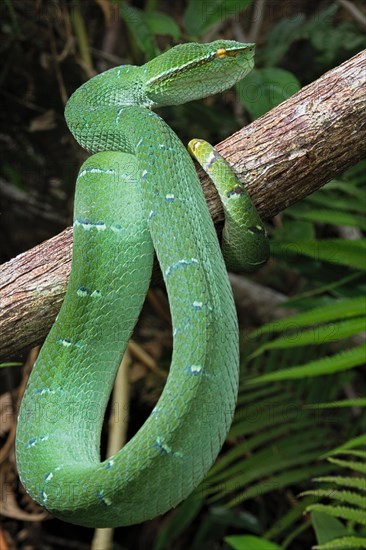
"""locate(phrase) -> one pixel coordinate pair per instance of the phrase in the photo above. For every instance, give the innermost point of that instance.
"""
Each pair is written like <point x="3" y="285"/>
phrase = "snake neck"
<point x="115" y="89"/>
<point x="118" y="86"/>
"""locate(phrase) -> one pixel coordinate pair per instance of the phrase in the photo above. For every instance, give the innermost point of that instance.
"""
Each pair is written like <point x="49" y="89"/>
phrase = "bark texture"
<point x="282" y="157"/>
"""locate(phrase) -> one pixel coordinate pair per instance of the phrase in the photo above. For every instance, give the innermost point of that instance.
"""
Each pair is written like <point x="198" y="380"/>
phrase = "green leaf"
<point x="178" y="521"/>
<point x="343" y="512"/>
<point x="347" y="497"/>
<point x="10" y="364"/>
<point x="344" y="360"/>
<point x="280" y="38"/>
<point x="353" y="452"/>
<point x="216" y="523"/>
<point x="337" y="309"/>
<point x="288" y="519"/>
<point x="263" y="89"/>
<point x="344" y="481"/>
<point x="161" y="23"/>
<point x="327" y="288"/>
<point x="139" y="29"/>
<point x="334" y="251"/>
<point x="330" y="42"/>
<point x="250" y="542"/>
<point x="274" y="483"/>
<point x="350" y="444"/>
<point x="280" y="455"/>
<point x="355" y="466"/>
<point x="200" y="16"/>
<point x="316" y="335"/>
<point x="243" y="447"/>
<point x="334" y="217"/>
<point x="357" y="402"/>
<point x="343" y="543"/>
<point x="295" y="230"/>
<point x="331" y="200"/>
<point x="326" y="527"/>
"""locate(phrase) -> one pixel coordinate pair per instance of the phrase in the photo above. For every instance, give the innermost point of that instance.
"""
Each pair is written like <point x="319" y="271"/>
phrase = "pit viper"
<point x="139" y="193"/>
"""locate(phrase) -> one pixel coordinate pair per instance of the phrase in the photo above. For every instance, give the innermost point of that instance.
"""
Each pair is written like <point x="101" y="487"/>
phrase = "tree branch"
<point x="282" y="157"/>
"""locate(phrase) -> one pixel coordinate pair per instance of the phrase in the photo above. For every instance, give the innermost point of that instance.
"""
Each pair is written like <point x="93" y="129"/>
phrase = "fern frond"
<point x="357" y="402"/>
<point x="335" y="251"/>
<point x="343" y="512"/>
<point x="285" y="479"/>
<point x="349" y="497"/>
<point x="355" y="466"/>
<point x="317" y="335"/>
<point x="343" y="481"/>
<point x="350" y="444"/>
<point x="337" y="309"/>
<point x="343" y="543"/>
<point x="341" y="361"/>
<point x="352" y="452"/>
<point x="322" y="215"/>
<point x="288" y="519"/>
<point x="347" y="204"/>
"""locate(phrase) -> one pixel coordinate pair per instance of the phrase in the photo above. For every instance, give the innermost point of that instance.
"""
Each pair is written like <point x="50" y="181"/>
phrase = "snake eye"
<point x="221" y="53"/>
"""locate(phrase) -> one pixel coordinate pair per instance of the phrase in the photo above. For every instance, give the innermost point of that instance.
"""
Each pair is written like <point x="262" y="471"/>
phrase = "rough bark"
<point x="282" y="157"/>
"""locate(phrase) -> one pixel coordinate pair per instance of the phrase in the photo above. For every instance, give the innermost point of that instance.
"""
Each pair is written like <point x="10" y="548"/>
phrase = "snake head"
<point x="192" y="71"/>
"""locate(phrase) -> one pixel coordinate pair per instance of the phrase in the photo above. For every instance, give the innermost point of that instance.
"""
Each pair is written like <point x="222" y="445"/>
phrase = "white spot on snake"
<point x="255" y="229"/>
<point x="210" y="160"/>
<point x="103" y="500"/>
<point x="82" y="291"/>
<point x="236" y="193"/>
<point x="144" y="174"/>
<point x="164" y="146"/>
<point x="43" y="391"/>
<point x="43" y="497"/>
<point x="195" y="369"/>
<point x="179" y="264"/>
<point x="139" y="142"/>
<point x="96" y="171"/>
<point x="66" y="342"/>
<point x="87" y="225"/>
<point x="120" y="111"/>
<point x="85" y="292"/>
<point x="151" y="215"/>
<point x="197" y="305"/>
<point x="109" y="464"/>
<point x="170" y="197"/>
<point x="49" y="476"/>
<point x="164" y="448"/>
<point x="33" y="442"/>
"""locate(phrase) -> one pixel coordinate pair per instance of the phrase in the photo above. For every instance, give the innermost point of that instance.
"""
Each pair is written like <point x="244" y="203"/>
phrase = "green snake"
<point x="139" y="193"/>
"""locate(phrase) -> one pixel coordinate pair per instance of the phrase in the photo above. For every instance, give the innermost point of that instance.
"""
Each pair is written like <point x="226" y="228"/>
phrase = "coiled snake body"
<point x="137" y="193"/>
